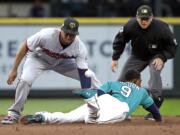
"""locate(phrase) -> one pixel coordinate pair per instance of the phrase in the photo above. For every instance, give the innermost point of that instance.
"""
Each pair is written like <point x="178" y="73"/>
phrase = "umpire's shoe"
<point x="29" y="119"/>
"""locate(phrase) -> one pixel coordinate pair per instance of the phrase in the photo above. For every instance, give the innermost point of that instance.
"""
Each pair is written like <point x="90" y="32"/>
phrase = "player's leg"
<point x="90" y="98"/>
<point x="69" y="68"/>
<point x="77" y="115"/>
<point x="133" y="63"/>
<point x="111" y="110"/>
<point x="155" y="87"/>
<point x="31" y="70"/>
<point x="103" y="109"/>
<point x="92" y="109"/>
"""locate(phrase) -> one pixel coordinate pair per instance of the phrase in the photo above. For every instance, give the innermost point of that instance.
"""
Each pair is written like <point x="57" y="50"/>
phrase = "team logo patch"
<point x="72" y="25"/>
<point x="144" y="11"/>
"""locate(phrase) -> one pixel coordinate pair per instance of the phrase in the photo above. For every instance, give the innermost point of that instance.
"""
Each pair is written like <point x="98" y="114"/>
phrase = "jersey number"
<point x="126" y="91"/>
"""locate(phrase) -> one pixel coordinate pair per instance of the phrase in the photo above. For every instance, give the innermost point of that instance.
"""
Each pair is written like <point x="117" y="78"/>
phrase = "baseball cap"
<point x="144" y="11"/>
<point x="70" y="25"/>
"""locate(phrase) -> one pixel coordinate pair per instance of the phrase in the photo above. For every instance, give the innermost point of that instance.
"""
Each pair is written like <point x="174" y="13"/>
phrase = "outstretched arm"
<point x="85" y="81"/>
<point x="155" y="112"/>
<point x="19" y="56"/>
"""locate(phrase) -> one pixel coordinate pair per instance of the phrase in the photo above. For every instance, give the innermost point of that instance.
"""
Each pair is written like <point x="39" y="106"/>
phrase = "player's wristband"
<point x="155" y="112"/>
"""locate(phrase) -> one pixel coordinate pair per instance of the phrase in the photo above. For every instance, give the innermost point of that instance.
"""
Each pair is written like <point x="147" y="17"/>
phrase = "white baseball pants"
<point x="111" y="110"/>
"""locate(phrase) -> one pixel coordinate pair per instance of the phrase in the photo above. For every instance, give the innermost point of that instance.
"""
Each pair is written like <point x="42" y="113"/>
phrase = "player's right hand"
<point x="12" y="77"/>
<point x="114" y="65"/>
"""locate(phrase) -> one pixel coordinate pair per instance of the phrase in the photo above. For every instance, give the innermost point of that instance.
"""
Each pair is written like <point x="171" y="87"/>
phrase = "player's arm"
<point x="88" y="93"/>
<point x="84" y="80"/>
<point x="19" y="56"/>
<point x="153" y="109"/>
<point x="170" y="46"/>
<point x="106" y="88"/>
<point x="118" y="46"/>
<point x="120" y="40"/>
<point x="82" y="66"/>
<point x="148" y="103"/>
<point x="30" y="44"/>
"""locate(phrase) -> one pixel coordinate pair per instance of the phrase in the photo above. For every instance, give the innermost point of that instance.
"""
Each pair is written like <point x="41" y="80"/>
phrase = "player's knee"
<point x="28" y="80"/>
<point x="25" y="81"/>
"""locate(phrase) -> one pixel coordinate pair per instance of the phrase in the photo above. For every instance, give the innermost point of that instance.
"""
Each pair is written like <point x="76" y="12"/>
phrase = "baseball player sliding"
<point x="112" y="102"/>
<point x="60" y="50"/>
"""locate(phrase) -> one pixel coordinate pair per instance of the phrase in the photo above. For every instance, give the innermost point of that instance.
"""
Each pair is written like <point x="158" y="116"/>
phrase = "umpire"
<point x="152" y="45"/>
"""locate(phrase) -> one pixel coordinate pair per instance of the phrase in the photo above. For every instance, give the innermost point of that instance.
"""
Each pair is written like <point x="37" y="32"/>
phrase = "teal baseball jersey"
<point x="128" y="92"/>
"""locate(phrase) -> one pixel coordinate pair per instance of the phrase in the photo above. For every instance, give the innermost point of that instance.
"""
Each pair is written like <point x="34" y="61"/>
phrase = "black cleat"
<point x="29" y="119"/>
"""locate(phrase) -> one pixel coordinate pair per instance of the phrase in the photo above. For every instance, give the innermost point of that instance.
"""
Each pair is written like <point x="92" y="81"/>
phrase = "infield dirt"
<point x="137" y="126"/>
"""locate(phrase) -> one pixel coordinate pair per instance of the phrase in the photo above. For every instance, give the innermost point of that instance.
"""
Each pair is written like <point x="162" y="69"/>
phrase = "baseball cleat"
<point x="30" y="119"/>
<point x="9" y="120"/>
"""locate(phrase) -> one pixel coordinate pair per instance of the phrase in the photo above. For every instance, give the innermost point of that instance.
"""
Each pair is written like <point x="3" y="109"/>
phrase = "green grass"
<point x="170" y="106"/>
<point x="35" y="105"/>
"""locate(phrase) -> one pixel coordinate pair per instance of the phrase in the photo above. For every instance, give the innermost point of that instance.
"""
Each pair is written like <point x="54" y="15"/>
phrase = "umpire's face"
<point x="66" y="38"/>
<point x="144" y="22"/>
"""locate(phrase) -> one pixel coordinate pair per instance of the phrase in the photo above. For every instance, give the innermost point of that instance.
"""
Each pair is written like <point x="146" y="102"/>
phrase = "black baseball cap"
<point x="70" y="26"/>
<point x="144" y="11"/>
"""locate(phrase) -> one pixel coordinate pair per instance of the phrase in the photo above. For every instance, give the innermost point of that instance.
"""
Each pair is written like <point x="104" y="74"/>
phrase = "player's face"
<point x="144" y="22"/>
<point x="66" y="38"/>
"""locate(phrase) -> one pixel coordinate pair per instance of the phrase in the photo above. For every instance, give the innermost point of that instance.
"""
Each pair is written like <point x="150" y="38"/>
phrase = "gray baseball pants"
<point x="32" y="69"/>
<point x="155" y="82"/>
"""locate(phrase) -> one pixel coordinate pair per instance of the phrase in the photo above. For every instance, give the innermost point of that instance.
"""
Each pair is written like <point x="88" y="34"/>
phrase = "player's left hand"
<point x="158" y="63"/>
